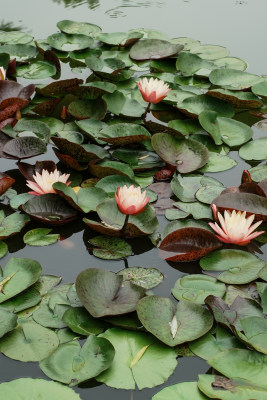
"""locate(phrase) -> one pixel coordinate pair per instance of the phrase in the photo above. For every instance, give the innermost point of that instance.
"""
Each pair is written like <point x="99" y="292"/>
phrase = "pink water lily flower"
<point x="43" y="183"/>
<point x="2" y="74"/>
<point x="131" y="200"/>
<point x="153" y="90"/>
<point x="235" y="227"/>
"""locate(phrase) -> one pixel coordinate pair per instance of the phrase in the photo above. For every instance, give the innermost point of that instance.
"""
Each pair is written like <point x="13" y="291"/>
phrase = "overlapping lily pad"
<point x="144" y="277"/>
<point x="69" y="42"/>
<point x="154" y="49"/>
<point x="233" y="79"/>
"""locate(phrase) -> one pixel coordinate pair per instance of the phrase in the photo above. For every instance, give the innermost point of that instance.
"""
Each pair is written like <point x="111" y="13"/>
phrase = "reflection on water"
<point x="124" y="4"/>
<point x="92" y="4"/>
<point x="10" y="26"/>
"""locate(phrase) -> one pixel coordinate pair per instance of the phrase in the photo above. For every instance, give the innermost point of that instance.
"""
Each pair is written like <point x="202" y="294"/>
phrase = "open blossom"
<point x="235" y="227"/>
<point x="43" y="183"/>
<point x="131" y="200"/>
<point x="153" y="90"/>
<point x="2" y="74"/>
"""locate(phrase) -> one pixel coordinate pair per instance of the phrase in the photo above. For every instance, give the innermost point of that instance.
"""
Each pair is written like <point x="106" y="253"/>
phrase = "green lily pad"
<point x="230" y="389"/>
<point x="188" y="64"/>
<point x="120" y="104"/>
<point x="15" y="37"/>
<point x="242" y="365"/>
<point x="82" y="109"/>
<point x="260" y="89"/>
<point x="29" y="342"/>
<point x="218" y="162"/>
<point x="21" y="52"/>
<point x="110" y="183"/>
<point x="254" y="150"/>
<point x="136" y="361"/>
<point x="233" y="266"/>
<point x="76" y="27"/>
<point x="173" y="325"/>
<point x="91" y="128"/>
<point x="147" y="278"/>
<point x="122" y="39"/>
<point x="105" y="168"/>
<point x="186" y="154"/>
<point x="188" y="43"/>
<point x="80" y="321"/>
<point x="210" y="52"/>
<point x="207" y="194"/>
<point x="196" y="209"/>
<point x="231" y="62"/>
<point x="105" y="293"/>
<point x="8" y="322"/>
<point x="3" y="249"/>
<point x="32" y="389"/>
<point x="27" y="299"/>
<point x="40" y="237"/>
<point x="50" y="209"/>
<point x="186" y="126"/>
<point x="12" y="224"/>
<point x="154" y="49"/>
<point x="72" y="364"/>
<point x="233" y="79"/>
<point x="124" y="134"/>
<point x="194" y="105"/>
<point x="19" y="274"/>
<point x="40" y="128"/>
<point x="181" y="391"/>
<point x="227" y="130"/>
<point x="24" y="147"/>
<point x="196" y="288"/>
<point x="36" y="70"/>
<point x="112" y="69"/>
<point x="139" y="160"/>
<point x="49" y="318"/>
<point x="65" y="42"/>
<point x="110" y="248"/>
<point x="254" y="329"/>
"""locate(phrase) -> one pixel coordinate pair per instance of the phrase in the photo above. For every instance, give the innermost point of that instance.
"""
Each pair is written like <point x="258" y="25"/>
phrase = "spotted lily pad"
<point x="24" y="147"/>
<point x="105" y="293"/>
<point x="109" y="248"/>
<point x="188" y="244"/>
<point x="136" y="360"/>
<point x="50" y="209"/>
<point x="173" y="325"/>
<point x="5" y="182"/>
<point x="82" y="109"/>
<point x="124" y="134"/>
<point x="196" y="288"/>
<point x="40" y="237"/>
<point x="144" y="277"/>
<point x="186" y="154"/>
<point x="80" y="152"/>
<point x="72" y="364"/>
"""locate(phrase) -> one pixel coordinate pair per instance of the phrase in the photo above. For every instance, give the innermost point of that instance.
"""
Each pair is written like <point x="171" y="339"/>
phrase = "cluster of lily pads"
<point x="107" y="136"/>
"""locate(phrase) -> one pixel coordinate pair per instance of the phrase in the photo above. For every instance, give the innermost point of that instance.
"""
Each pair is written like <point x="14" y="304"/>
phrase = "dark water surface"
<point x="238" y="25"/>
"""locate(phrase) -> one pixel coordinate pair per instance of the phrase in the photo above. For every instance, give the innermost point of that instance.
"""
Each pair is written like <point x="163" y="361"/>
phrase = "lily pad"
<point x="105" y="293"/>
<point x="5" y="182"/>
<point x="82" y="109"/>
<point x="29" y="342"/>
<point x="80" y="153"/>
<point x="3" y="249"/>
<point x="8" y="322"/>
<point x="188" y="244"/>
<point x="207" y="194"/>
<point x="12" y="224"/>
<point x="196" y="288"/>
<point x="236" y="98"/>
<point x="19" y="274"/>
<point x="75" y="27"/>
<point x="210" y="52"/>
<point x="24" y="147"/>
<point x="80" y="321"/>
<point x="233" y="79"/>
<point x="260" y="89"/>
<point x="120" y="104"/>
<point x="110" y="248"/>
<point x="50" y="209"/>
<point x="36" y="70"/>
<point x="147" y="278"/>
<point x="15" y="37"/>
<point x="254" y="150"/>
<point x="186" y="154"/>
<point x="40" y="237"/>
<point x="173" y="325"/>
<point x="31" y="389"/>
<point x="154" y="49"/>
<point x="232" y="266"/>
<point x="194" y="105"/>
<point x="189" y="63"/>
<point x="72" y="364"/>
<point x="181" y="391"/>
<point x="66" y="42"/>
<point x="137" y="356"/>
<point x="27" y="299"/>
<point x="122" y="39"/>
<point x="124" y="134"/>
<point x="218" y="162"/>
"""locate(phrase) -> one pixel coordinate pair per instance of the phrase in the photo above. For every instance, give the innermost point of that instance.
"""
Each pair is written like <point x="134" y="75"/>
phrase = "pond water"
<point x="238" y="25"/>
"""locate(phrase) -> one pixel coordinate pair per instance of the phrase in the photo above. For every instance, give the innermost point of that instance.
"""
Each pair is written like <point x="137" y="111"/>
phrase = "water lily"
<point x="43" y="183"/>
<point x="131" y="200"/>
<point x="235" y="227"/>
<point x="153" y="90"/>
<point x="2" y="74"/>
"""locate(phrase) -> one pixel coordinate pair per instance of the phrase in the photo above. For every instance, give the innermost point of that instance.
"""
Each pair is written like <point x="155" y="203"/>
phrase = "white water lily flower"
<point x="153" y="90"/>
<point x="131" y="200"/>
<point x="43" y="183"/>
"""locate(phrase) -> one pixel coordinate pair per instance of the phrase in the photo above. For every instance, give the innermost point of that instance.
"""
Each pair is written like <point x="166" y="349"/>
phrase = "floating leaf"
<point x="36" y="70"/>
<point x="12" y="224"/>
<point x="105" y="293"/>
<point x="124" y="134"/>
<point x="82" y="109"/>
<point x="32" y="389"/>
<point x="218" y="162"/>
<point x="24" y="147"/>
<point x="5" y="182"/>
<point x="194" y="105"/>
<point x="75" y="27"/>
<point x="80" y="321"/>
<point x="110" y="248"/>
<point x="181" y="391"/>
<point x="156" y="314"/>
<point x="233" y="79"/>
<point x="144" y="277"/>
<point x="40" y="237"/>
<point x="8" y="322"/>
<point x="65" y="42"/>
<point x="153" y="49"/>
<point x="136" y="360"/>
<point x="254" y="150"/>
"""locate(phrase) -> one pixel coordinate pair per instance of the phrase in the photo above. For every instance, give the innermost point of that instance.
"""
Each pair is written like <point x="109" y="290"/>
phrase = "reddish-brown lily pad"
<point x="13" y="89"/>
<point x="60" y="88"/>
<point x="188" y="244"/>
<point x="28" y="170"/>
<point x="5" y="182"/>
<point x="70" y="161"/>
<point x="24" y="147"/>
